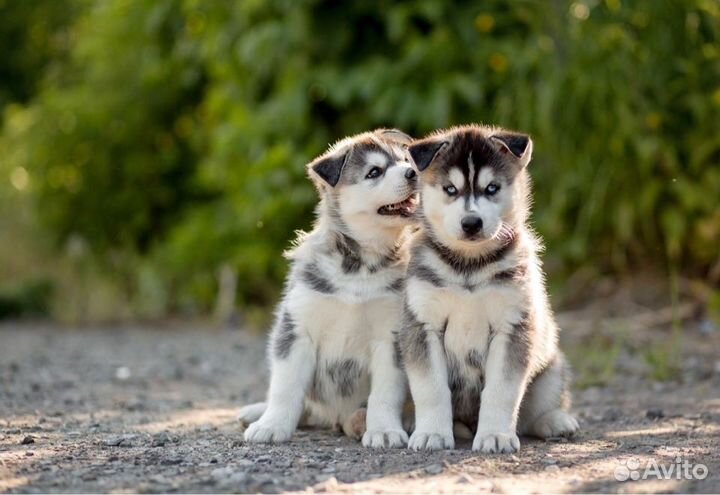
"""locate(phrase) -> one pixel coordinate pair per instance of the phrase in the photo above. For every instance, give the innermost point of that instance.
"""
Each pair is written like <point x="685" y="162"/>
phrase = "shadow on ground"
<point x="144" y="410"/>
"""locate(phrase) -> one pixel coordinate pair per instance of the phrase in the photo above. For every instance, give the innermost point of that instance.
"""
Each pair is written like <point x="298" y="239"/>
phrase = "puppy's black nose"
<point x="471" y="225"/>
<point x="410" y="174"/>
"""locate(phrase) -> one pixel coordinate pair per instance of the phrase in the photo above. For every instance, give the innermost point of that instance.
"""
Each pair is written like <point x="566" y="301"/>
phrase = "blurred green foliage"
<point x="169" y="137"/>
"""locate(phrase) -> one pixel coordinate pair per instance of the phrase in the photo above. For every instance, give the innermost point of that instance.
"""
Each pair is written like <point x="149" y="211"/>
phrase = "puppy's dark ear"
<point x="329" y="168"/>
<point x="396" y="136"/>
<point x="424" y="152"/>
<point x="519" y="146"/>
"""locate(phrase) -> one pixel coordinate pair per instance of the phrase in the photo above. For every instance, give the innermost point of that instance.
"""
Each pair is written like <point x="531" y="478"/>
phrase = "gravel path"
<point x="151" y="410"/>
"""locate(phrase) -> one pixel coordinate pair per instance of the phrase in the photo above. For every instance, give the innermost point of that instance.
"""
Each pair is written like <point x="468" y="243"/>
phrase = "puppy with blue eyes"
<point x="479" y="341"/>
<point x="331" y="350"/>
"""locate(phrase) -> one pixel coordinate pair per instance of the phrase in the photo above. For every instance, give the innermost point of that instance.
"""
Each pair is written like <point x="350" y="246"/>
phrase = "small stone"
<point x="327" y="470"/>
<point x="29" y="454"/>
<point x="612" y="414"/>
<point x="552" y="467"/>
<point x="27" y="440"/>
<point x="434" y="469"/>
<point x="464" y="478"/>
<point x="119" y="440"/>
<point x="160" y="439"/>
<point x="655" y="413"/>
<point x="123" y="373"/>
<point x="707" y="327"/>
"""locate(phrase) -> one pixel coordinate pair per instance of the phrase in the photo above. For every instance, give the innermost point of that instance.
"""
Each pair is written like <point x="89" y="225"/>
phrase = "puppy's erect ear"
<point x="396" y="136"/>
<point x="424" y="152"/>
<point x="519" y="146"/>
<point x="329" y="168"/>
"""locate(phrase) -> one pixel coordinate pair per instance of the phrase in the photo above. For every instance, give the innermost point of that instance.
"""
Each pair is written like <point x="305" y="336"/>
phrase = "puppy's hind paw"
<point x="421" y="440"/>
<point x="251" y="413"/>
<point x="496" y="443"/>
<point x="556" y="423"/>
<point x="260" y="432"/>
<point x="385" y="439"/>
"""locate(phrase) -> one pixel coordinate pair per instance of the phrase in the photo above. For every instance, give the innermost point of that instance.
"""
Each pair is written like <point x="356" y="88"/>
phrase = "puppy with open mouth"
<point x="331" y="350"/>
<point x="480" y="342"/>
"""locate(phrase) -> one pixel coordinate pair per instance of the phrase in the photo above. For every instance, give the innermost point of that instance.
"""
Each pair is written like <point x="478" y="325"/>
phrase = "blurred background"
<point x="152" y="152"/>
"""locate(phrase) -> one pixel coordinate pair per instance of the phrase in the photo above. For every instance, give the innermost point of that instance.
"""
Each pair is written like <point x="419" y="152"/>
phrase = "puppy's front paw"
<point x="496" y="443"/>
<point x="425" y="440"/>
<point x="385" y="438"/>
<point x="267" y="432"/>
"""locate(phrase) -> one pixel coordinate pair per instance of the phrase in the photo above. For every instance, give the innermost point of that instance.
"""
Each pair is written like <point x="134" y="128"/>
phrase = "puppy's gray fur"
<point x="479" y="341"/>
<point x="331" y="349"/>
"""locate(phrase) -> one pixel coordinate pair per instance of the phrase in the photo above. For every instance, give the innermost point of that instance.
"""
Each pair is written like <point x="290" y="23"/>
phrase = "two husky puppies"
<point x="458" y="306"/>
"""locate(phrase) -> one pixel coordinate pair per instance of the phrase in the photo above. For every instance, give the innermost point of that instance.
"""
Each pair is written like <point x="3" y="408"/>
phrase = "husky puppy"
<point x="331" y="350"/>
<point x="479" y="342"/>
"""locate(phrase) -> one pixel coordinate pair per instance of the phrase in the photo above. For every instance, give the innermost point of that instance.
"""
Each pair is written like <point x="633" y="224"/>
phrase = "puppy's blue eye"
<point x="491" y="189"/>
<point x="374" y="173"/>
<point x="451" y="190"/>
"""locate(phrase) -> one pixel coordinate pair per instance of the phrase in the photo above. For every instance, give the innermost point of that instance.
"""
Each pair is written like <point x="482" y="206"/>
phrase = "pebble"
<point x="27" y="440"/>
<point x="160" y="439"/>
<point x="123" y="373"/>
<point x="464" y="478"/>
<point x="654" y="413"/>
<point x="434" y="469"/>
<point x="552" y="467"/>
<point x="119" y="440"/>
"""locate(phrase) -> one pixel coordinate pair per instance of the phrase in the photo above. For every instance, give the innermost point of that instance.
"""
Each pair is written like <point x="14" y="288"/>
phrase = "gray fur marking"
<point x="285" y="336"/>
<point x="397" y="352"/>
<point x="413" y="340"/>
<point x="344" y="374"/>
<point x="349" y="250"/>
<point x="317" y="282"/>
<point x="426" y="274"/>
<point x="465" y="391"/>
<point x="475" y="359"/>
<point x="514" y="273"/>
<point x="397" y="286"/>
<point x="519" y="343"/>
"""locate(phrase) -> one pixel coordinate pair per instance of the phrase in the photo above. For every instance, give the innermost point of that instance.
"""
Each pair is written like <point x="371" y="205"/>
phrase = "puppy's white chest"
<point x="341" y="328"/>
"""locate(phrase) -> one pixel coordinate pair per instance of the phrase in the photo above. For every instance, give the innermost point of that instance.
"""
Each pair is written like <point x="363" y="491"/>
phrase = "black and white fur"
<point x="331" y="350"/>
<point x="480" y="343"/>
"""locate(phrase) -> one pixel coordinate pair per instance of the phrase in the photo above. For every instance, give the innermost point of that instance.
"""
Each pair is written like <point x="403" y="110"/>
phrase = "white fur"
<point x="355" y="322"/>
<point x="472" y="312"/>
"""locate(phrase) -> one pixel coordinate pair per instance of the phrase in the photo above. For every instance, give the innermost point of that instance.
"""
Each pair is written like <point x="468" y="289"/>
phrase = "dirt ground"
<point x="152" y="410"/>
